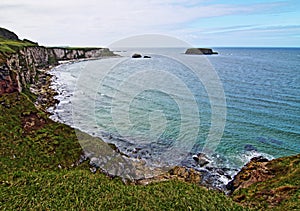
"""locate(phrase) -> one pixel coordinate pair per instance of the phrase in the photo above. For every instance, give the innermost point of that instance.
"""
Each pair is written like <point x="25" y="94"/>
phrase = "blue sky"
<point x="211" y="23"/>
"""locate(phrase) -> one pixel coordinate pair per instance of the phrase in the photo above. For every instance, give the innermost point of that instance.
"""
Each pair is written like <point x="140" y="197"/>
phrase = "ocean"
<point x="241" y="103"/>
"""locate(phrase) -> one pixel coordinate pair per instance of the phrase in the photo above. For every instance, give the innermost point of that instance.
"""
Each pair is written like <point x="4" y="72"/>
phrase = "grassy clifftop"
<point x="8" y="46"/>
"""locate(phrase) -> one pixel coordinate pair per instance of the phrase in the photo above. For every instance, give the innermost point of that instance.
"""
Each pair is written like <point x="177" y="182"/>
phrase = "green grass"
<point x="81" y="190"/>
<point x="12" y="46"/>
<point x="31" y="149"/>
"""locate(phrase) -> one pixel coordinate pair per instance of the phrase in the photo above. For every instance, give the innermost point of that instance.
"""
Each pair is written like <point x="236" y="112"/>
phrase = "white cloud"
<point x="91" y="22"/>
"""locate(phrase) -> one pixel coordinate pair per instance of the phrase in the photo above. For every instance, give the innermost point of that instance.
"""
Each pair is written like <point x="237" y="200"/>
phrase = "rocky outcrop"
<point x="178" y="172"/>
<point x="201" y="159"/>
<point x="200" y="51"/>
<point x="136" y="55"/>
<point x="254" y="171"/>
<point x="268" y="185"/>
<point x="21" y="69"/>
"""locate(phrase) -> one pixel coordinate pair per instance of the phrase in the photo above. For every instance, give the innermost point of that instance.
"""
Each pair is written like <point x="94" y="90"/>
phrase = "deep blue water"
<point x="138" y="104"/>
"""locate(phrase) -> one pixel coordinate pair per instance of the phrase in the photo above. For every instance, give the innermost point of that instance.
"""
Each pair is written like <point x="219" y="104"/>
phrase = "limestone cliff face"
<point x="20" y="69"/>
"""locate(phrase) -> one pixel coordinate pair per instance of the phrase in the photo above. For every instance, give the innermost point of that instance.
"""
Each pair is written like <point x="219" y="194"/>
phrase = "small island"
<point x="200" y="51"/>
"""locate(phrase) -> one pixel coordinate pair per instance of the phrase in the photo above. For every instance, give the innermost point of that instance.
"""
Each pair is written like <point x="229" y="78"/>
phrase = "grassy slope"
<point x="12" y="46"/>
<point x="281" y="192"/>
<point x="33" y="146"/>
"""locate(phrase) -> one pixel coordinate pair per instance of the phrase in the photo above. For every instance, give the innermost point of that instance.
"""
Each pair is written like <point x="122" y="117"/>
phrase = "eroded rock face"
<point x="8" y="80"/>
<point x="21" y="69"/>
<point x="254" y="171"/>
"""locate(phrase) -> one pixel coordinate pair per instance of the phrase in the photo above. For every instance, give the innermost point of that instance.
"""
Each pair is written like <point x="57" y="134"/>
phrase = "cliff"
<point x="22" y="61"/>
<point x="273" y="184"/>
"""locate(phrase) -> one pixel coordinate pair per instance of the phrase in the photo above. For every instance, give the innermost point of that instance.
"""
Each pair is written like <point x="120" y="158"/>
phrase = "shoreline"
<point x="43" y="88"/>
<point x="180" y="172"/>
<point x="212" y="177"/>
<point x="46" y="98"/>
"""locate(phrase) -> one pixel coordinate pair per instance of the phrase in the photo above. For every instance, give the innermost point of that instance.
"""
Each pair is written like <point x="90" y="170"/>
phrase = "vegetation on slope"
<point x="38" y="171"/>
<point x="12" y="46"/>
<point x="280" y="192"/>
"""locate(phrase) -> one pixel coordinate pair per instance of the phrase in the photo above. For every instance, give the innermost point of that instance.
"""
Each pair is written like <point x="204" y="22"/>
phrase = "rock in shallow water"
<point x="201" y="159"/>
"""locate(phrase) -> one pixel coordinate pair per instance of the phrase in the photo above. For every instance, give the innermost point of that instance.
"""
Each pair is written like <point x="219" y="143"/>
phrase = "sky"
<point x="202" y="23"/>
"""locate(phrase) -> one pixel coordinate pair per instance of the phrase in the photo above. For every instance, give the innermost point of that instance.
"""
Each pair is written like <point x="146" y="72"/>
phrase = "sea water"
<point x="139" y="106"/>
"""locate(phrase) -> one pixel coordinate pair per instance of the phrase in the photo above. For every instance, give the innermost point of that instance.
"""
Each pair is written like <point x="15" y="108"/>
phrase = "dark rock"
<point x="8" y="34"/>
<point x="200" y="51"/>
<point x="259" y="159"/>
<point x="147" y="57"/>
<point x="136" y="55"/>
<point x="249" y="147"/>
<point x="201" y="159"/>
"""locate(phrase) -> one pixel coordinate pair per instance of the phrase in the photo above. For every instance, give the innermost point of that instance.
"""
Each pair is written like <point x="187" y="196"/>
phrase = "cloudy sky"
<point x="210" y="23"/>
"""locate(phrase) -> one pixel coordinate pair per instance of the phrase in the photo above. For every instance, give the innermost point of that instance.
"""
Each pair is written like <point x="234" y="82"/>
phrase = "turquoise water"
<point x="262" y="89"/>
<point x="139" y="106"/>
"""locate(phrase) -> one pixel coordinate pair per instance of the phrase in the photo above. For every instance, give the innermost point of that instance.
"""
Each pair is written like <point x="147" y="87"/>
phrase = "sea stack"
<point x="200" y="51"/>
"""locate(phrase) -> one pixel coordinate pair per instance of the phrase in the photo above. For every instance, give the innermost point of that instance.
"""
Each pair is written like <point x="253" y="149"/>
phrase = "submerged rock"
<point x="249" y="147"/>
